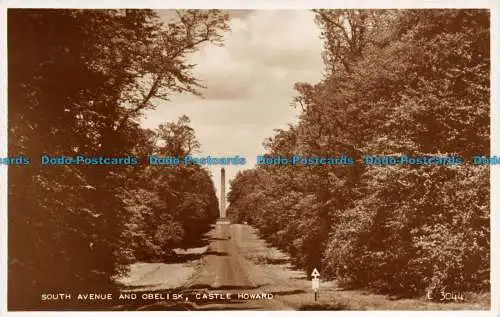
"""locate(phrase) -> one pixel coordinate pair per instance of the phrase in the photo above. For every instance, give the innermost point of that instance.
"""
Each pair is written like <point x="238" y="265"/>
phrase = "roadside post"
<point x="315" y="283"/>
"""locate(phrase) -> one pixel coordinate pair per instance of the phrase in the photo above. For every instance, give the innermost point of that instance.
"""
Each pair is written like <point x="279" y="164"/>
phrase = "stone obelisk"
<point x="222" y="193"/>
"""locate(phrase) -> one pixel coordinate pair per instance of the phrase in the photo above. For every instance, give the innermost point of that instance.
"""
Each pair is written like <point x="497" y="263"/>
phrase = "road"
<point x="224" y="266"/>
<point x="226" y="279"/>
<point x="238" y="262"/>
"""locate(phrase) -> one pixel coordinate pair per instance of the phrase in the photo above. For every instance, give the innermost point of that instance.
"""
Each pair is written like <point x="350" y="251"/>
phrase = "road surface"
<point x="238" y="262"/>
<point x="224" y="268"/>
<point x="226" y="279"/>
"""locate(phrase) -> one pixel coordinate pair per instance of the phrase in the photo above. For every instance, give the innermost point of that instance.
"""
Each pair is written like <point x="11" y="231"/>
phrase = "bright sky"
<point x="249" y="84"/>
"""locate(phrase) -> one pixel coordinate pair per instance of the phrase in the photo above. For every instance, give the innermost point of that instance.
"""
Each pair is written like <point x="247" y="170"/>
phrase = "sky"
<point x="249" y="84"/>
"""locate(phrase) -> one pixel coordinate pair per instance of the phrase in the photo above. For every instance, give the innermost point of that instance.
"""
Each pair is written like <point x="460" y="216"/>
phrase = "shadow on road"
<point x="196" y="287"/>
<point x="140" y="287"/>
<point x="189" y="306"/>
<point x="183" y="258"/>
<point x="169" y="307"/>
<point x="323" y="307"/>
<point x="216" y="253"/>
<point x="292" y="292"/>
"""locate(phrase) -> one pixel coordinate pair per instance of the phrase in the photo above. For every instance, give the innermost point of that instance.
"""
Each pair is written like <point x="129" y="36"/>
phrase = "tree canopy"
<point x="398" y="82"/>
<point x="79" y="80"/>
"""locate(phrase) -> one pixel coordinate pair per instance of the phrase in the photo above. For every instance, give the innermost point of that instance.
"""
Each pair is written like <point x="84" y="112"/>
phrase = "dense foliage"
<point x="407" y="82"/>
<point x="78" y="82"/>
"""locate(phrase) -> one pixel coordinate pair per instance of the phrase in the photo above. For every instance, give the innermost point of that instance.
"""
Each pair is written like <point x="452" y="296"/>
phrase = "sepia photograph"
<point x="248" y="159"/>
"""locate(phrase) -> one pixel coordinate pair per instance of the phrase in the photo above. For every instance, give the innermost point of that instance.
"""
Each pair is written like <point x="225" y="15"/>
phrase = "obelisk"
<point x="222" y="193"/>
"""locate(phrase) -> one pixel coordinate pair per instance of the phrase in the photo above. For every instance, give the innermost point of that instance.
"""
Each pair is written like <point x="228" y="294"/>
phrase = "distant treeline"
<point x="397" y="82"/>
<point x="78" y="82"/>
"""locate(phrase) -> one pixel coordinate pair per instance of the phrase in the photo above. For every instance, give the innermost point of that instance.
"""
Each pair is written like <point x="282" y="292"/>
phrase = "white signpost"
<point x="315" y="283"/>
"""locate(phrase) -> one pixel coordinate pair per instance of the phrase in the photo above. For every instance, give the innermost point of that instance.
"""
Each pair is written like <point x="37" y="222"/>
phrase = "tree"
<point x="78" y="82"/>
<point x="406" y="82"/>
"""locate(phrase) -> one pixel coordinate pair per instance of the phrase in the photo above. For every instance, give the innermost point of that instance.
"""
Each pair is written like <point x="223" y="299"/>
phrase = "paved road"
<point x="238" y="261"/>
<point x="224" y="271"/>
<point x="224" y="268"/>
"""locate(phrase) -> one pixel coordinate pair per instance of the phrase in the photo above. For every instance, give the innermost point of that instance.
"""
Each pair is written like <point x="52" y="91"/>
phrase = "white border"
<point x="265" y="4"/>
<point x="495" y="170"/>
